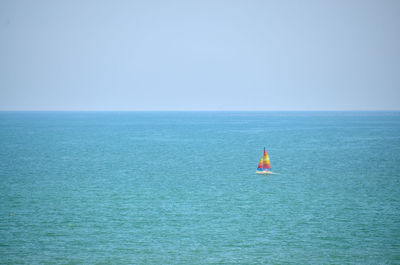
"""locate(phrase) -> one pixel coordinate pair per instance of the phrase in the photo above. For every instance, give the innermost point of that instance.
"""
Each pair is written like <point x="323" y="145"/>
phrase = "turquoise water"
<point x="181" y="188"/>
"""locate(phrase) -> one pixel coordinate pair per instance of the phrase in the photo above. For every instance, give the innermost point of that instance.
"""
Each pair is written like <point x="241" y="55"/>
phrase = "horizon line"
<point x="211" y="110"/>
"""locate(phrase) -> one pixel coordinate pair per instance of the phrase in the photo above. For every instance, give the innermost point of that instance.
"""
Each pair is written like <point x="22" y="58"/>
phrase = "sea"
<point x="181" y="188"/>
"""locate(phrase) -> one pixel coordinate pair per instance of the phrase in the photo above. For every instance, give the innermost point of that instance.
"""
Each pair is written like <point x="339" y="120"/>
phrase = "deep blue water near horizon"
<point x="181" y="188"/>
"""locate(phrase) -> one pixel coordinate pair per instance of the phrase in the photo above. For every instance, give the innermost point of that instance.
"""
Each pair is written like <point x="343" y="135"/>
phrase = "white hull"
<point x="265" y="172"/>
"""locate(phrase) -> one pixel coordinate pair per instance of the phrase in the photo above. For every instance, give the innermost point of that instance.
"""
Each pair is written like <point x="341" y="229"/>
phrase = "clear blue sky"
<point x="200" y="55"/>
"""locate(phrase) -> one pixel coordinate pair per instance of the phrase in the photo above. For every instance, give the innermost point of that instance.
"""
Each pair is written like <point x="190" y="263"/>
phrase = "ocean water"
<point x="181" y="188"/>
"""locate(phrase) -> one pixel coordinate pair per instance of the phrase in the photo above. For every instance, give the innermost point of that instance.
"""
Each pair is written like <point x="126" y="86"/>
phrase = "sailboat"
<point x="265" y="165"/>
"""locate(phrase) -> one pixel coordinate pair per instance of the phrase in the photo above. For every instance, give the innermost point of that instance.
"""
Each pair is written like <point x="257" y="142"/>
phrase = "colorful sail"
<point x="265" y="164"/>
<point x="260" y="166"/>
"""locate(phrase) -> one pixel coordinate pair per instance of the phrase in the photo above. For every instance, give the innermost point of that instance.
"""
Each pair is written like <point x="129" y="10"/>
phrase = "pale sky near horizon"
<point x="200" y="55"/>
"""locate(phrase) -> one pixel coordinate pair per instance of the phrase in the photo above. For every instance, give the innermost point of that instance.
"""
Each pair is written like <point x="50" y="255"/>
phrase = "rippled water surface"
<point x="181" y="188"/>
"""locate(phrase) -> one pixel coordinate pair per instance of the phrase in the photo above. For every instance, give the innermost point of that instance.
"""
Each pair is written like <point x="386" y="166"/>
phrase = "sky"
<point x="200" y="55"/>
